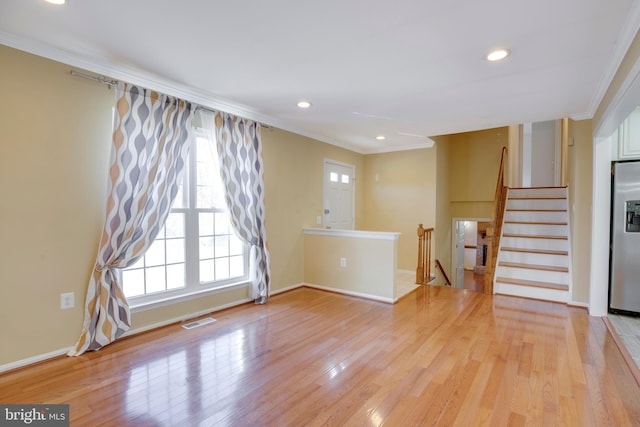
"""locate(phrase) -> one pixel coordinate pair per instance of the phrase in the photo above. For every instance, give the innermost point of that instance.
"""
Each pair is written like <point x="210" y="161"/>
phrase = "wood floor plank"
<point x="440" y="356"/>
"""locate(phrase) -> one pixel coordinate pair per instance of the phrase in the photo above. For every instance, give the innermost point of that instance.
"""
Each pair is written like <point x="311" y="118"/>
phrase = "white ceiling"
<point x="369" y="67"/>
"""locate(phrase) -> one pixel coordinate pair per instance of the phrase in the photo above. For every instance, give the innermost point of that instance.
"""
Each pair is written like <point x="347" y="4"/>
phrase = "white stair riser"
<point x="560" y="278"/>
<point x="532" y="216"/>
<point x="537" y="204"/>
<point x="536" y="229"/>
<point x="536" y="259"/>
<point x="531" y="292"/>
<point x="544" y="244"/>
<point x="538" y="192"/>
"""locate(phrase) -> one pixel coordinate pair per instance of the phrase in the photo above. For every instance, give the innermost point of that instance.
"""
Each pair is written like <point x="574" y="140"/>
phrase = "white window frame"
<point x="193" y="288"/>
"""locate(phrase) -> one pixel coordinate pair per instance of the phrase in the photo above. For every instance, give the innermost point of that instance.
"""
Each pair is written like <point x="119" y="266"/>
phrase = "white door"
<point x="457" y="260"/>
<point x="338" y="195"/>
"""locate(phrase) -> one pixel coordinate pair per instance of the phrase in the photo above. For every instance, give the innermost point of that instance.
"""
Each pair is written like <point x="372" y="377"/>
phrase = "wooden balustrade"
<point x="495" y="227"/>
<point x="423" y="272"/>
<point x="447" y="282"/>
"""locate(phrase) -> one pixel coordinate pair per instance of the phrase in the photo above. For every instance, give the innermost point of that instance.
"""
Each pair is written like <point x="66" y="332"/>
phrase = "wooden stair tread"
<point x="543" y="187"/>
<point x="533" y="266"/>
<point x="536" y="251"/>
<point x="534" y="236"/>
<point x="535" y="222"/>
<point x="533" y="283"/>
<point x="535" y="210"/>
<point x="537" y="198"/>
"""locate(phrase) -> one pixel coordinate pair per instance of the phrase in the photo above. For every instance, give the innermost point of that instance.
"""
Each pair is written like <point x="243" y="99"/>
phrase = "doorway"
<point x="468" y="252"/>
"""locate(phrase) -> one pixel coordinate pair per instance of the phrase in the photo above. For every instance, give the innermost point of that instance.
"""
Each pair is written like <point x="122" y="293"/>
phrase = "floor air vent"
<point x="197" y="323"/>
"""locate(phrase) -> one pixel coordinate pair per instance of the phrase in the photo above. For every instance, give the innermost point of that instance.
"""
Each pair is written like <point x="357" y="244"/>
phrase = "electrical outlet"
<point x="67" y="300"/>
<point x="343" y="262"/>
<point x="319" y="220"/>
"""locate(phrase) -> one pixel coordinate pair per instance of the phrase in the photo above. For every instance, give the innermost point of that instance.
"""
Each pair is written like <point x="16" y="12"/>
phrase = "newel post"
<point x="420" y="269"/>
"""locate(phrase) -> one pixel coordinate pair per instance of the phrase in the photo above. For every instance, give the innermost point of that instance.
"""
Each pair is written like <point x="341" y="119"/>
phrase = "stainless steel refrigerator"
<point x="624" y="291"/>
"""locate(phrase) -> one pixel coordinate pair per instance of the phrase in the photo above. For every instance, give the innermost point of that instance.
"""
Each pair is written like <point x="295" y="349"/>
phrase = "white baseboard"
<point x="35" y="359"/>
<point x="50" y="355"/>
<point x="184" y="317"/>
<point x="351" y="293"/>
<point x="579" y="304"/>
<point x="288" y="288"/>
<point x="42" y="357"/>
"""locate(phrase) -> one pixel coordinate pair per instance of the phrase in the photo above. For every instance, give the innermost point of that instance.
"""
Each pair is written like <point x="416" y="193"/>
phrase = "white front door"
<point x="338" y="195"/>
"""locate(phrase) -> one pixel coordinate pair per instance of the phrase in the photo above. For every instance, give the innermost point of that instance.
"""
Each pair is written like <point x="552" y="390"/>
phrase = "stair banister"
<point x="423" y="271"/>
<point x="495" y="227"/>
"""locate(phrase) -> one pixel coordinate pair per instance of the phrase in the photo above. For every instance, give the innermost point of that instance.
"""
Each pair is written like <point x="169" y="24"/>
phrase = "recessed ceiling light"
<point x="381" y="137"/>
<point x="304" y="104"/>
<point x="56" y="1"/>
<point x="497" y="54"/>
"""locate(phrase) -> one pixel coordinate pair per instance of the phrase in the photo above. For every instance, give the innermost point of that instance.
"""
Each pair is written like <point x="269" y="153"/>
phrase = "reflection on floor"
<point x="472" y="281"/>
<point x="628" y="328"/>
<point x="404" y="283"/>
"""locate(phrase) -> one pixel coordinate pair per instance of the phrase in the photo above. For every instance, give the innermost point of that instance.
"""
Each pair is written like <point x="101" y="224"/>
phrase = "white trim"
<point x="353" y="294"/>
<point x="625" y="38"/>
<point x="169" y="300"/>
<point x="50" y="355"/>
<point x="578" y="304"/>
<point x="622" y="104"/>
<point x="554" y="295"/>
<point x="288" y="288"/>
<point x="34" y="359"/>
<point x="454" y="255"/>
<point x="418" y="146"/>
<point x="189" y="316"/>
<point x="154" y="82"/>
<point x="358" y="234"/>
<point x="600" y="228"/>
<point x="570" y="243"/>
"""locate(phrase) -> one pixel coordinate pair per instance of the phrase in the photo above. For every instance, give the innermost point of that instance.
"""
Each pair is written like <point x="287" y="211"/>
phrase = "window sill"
<point x="174" y="299"/>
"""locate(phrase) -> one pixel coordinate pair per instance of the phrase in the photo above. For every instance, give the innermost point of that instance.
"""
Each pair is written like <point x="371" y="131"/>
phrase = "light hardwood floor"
<point x="440" y="356"/>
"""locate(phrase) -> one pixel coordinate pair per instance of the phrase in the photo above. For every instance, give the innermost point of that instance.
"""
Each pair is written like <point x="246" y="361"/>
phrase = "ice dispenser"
<point x="633" y="217"/>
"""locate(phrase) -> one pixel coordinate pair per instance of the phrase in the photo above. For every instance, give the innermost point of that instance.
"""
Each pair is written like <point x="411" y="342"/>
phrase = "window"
<point x="196" y="250"/>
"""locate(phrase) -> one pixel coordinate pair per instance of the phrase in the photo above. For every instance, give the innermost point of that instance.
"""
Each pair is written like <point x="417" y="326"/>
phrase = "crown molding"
<point x="152" y="81"/>
<point x="627" y="34"/>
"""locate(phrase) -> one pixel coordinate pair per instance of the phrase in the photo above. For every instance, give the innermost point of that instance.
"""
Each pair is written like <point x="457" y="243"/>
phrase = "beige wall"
<point x="467" y="167"/>
<point x="293" y="197"/>
<point x="442" y="233"/>
<point x="370" y="265"/>
<point x="55" y="145"/>
<point x="56" y="132"/>
<point x="399" y="194"/>
<point x="474" y="161"/>
<point x="580" y="171"/>
<point x="55" y="142"/>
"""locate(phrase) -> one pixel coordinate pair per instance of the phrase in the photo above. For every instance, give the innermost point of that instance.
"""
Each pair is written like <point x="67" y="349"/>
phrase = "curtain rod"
<point x="102" y="80"/>
<point x="112" y="82"/>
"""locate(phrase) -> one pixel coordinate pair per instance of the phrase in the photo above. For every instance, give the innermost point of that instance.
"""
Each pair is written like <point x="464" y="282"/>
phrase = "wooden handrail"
<point x="423" y="271"/>
<point x="495" y="227"/>
<point x="446" y="278"/>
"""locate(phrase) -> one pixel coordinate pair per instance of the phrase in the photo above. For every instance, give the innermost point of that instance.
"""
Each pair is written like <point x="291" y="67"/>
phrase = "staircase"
<point x="533" y="258"/>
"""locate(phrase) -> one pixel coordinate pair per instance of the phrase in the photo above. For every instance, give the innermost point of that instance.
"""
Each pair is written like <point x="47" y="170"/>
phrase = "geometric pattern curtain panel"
<point x="241" y="168"/>
<point x="148" y="155"/>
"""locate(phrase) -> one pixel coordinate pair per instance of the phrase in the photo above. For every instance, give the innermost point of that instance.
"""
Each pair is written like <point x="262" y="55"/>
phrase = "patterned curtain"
<point x="148" y="155"/>
<point x="240" y="155"/>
